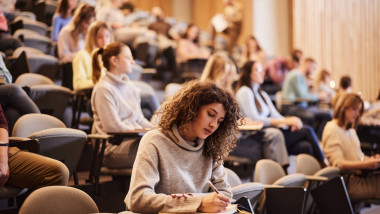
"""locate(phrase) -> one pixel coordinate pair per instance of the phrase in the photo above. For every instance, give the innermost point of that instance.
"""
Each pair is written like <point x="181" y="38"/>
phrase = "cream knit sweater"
<point x="167" y="164"/>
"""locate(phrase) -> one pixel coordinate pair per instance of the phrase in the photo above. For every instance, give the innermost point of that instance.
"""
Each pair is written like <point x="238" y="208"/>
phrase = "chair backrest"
<point x="63" y="144"/>
<point x="28" y="79"/>
<point x="44" y="64"/>
<point x="232" y="178"/>
<point x="30" y="123"/>
<point x="19" y="66"/>
<point x="35" y="40"/>
<point x="59" y="199"/>
<point x="332" y="197"/>
<point x="51" y="99"/>
<point x="307" y="164"/>
<point x="268" y="171"/>
<point x="28" y="51"/>
<point x="56" y="141"/>
<point x="287" y="200"/>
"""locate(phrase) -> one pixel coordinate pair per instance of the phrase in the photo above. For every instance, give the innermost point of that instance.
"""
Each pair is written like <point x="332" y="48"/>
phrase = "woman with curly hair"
<point x="198" y="127"/>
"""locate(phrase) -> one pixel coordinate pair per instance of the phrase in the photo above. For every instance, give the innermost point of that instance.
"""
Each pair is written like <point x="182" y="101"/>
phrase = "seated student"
<point x="256" y="105"/>
<point x="266" y="143"/>
<point x="98" y="36"/>
<point x="342" y="148"/>
<point x="116" y="103"/>
<point x="16" y="103"/>
<point x="71" y="38"/>
<point x="345" y="86"/>
<point x="197" y="129"/>
<point x="296" y="86"/>
<point x="188" y="47"/>
<point x="27" y="170"/>
<point x="322" y="85"/>
<point x="62" y="16"/>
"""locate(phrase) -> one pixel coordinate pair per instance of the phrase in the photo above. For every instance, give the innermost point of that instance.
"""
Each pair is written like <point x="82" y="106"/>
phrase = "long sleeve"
<point x="105" y="105"/>
<point x="55" y="28"/>
<point x="246" y="100"/>
<point x="82" y="71"/>
<point x="144" y="199"/>
<point x="339" y="144"/>
<point x="166" y="164"/>
<point x="301" y="89"/>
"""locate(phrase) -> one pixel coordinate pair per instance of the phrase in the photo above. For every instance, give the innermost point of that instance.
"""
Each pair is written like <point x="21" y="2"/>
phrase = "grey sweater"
<point x="167" y="164"/>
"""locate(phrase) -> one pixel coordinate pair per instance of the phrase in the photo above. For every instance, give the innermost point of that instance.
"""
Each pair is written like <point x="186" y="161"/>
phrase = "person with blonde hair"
<point x="116" y="103"/>
<point x="198" y="127"/>
<point x="341" y="146"/>
<point x="98" y="36"/>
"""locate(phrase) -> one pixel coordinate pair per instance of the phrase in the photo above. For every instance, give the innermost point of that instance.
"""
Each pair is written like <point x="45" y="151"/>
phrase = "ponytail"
<point x="96" y="67"/>
<point x="112" y="49"/>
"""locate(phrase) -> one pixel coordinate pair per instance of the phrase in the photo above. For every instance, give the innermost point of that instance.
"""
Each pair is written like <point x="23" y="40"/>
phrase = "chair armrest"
<point x="98" y="136"/>
<point x="25" y="144"/>
<point x="316" y="178"/>
<point x="117" y="137"/>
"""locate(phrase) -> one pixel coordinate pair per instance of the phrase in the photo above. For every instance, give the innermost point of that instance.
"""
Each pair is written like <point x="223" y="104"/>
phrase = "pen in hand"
<point x="213" y="187"/>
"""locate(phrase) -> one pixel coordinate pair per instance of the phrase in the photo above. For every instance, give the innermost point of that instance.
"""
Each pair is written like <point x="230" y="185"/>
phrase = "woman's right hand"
<point x="295" y="123"/>
<point x="213" y="203"/>
<point x="372" y="163"/>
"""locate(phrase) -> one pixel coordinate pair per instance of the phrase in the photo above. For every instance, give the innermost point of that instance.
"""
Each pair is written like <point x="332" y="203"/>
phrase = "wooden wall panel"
<point x="147" y="5"/>
<point x="204" y="10"/>
<point x="343" y="36"/>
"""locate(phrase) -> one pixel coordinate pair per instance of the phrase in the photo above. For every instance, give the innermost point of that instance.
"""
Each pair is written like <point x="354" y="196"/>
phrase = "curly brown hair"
<point x="182" y="108"/>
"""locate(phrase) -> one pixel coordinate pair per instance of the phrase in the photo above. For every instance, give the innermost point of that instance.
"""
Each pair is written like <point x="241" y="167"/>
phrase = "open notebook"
<point x="232" y="208"/>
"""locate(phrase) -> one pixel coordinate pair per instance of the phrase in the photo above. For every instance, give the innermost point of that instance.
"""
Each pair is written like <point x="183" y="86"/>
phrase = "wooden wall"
<point x="343" y="36"/>
<point x="147" y="5"/>
<point x="202" y="11"/>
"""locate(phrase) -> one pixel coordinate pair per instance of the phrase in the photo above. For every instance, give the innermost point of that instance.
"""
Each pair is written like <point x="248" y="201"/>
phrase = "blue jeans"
<point x="304" y="140"/>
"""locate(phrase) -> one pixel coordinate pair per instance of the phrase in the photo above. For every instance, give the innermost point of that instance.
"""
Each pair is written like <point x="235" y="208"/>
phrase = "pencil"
<point x="213" y="187"/>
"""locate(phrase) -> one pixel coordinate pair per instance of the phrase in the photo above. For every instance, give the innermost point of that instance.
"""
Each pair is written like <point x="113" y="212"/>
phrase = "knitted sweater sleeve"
<point x="332" y="145"/>
<point x="142" y="197"/>
<point x="106" y="109"/>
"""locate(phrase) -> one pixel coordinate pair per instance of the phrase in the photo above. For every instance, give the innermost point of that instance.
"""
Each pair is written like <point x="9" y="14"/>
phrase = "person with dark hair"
<point x="252" y="51"/>
<point x="266" y="143"/>
<point x="188" y="47"/>
<point x="296" y="90"/>
<point x="62" y="17"/>
<point x="342" y="148"/>
<point x="116" y="103"/>
<point x="345" y="84"/>
<point x="257" y="105"/>
<point x="198" y="127"/>
<point x="27" y="170"/>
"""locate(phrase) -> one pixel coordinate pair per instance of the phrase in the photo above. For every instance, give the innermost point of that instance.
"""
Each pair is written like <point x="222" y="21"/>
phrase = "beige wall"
<point x="343" y="36"/>
<point x="272" y="26"/>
